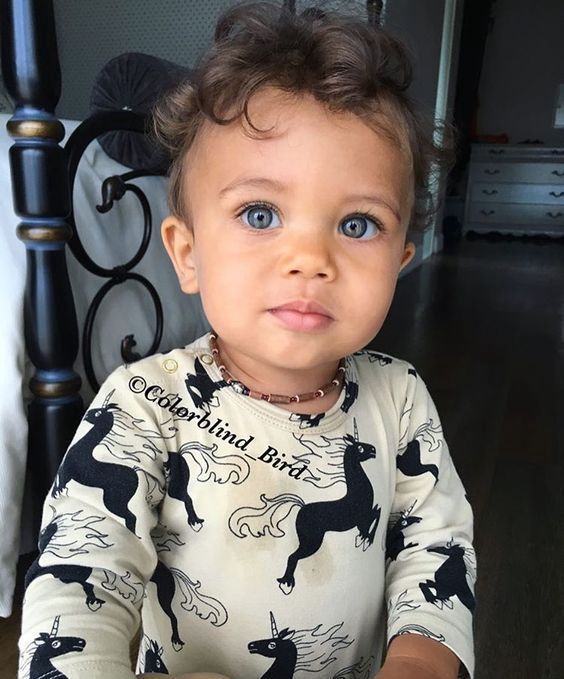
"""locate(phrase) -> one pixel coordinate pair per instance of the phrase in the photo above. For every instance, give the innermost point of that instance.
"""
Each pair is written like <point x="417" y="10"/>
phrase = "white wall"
<point x="523" y="64"/>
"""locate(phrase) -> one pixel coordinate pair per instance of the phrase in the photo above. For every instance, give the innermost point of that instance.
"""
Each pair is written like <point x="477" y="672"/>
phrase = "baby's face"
<point x="297" y="238"/>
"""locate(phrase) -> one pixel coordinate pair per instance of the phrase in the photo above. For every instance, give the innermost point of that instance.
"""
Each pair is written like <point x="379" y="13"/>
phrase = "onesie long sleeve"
<point x="247" y="539"/>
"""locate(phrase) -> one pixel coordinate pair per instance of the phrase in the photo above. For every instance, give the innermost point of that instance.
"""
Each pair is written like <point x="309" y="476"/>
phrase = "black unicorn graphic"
<point x="306" y="420"/>
<point x="205" y="607"/>
<point x="118" y="482"/>
<point x="395" y="539"/>
<point x="450" y="579"/>
<point x="409" y="462"/>
<point x="351" y="394"/>
<point x="178" y="477"/>
<point x="67" y="574"/>
<point x="279" y="647"/>
<point x="153" y="659"/>
<point x="356" y="509"/>
<point x="375" y="356"/>
<point x="360" y="670"/>
<point x="202" y="388"/>
<point x="308" y="650"/>
<point x="49" y="646"/>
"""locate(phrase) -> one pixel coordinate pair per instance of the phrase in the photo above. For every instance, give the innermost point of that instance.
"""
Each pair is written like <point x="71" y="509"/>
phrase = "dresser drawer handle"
<point x="558" y="173"/>
<point x="487" y="213"/>
<point x="496" y="152"/>
<point x="557" y="195"/>
<point x="557" y="152"/>
<point x="493" y="192"/>
<point x="495" y="171"/>
<point x="555" y="214"/>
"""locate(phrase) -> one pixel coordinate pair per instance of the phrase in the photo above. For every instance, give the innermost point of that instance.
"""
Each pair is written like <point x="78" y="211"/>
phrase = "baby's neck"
<point x="271" y="380"/>
<point x="315" y="406"/>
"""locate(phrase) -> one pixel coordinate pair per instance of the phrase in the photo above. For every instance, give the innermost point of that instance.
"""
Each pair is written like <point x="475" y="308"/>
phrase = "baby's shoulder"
<point x="379" y="374"/>
<point x="373" y="364"/>
<point x="164" y="366"/>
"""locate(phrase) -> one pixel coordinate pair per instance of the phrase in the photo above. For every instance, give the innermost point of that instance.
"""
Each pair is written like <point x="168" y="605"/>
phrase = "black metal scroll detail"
<point x="128" y="342"/>
<point x="113" y="188"/>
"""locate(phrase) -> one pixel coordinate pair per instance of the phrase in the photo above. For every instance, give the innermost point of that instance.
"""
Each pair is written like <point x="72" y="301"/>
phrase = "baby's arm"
<point x="431" y="565"/>
<point x="84" y="592"/>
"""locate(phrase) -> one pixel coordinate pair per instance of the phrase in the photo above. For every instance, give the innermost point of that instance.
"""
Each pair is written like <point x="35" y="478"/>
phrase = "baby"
<point x="270" y="500"/>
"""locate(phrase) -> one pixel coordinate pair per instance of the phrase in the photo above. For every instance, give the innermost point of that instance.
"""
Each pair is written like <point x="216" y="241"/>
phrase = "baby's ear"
<point x="408" y="254"/>
<point x="178" y="239"/>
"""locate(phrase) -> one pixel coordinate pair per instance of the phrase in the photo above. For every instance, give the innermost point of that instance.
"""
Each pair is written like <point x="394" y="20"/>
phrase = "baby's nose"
<point x="310" y="258"/>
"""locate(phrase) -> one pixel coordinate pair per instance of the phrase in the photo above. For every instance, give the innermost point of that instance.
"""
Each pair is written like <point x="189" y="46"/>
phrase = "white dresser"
<point x="516" y="189"/>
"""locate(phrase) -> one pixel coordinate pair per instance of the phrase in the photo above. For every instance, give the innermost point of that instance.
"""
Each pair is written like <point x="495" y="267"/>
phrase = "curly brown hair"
<point x="345" y="64"/>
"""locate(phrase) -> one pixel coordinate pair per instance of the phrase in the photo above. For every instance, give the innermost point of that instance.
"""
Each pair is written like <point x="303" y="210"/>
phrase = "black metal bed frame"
<point x="43" y="174"/>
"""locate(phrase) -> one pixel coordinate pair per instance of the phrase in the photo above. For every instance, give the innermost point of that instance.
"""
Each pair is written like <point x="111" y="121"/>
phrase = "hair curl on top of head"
<point x="345" y="64"/>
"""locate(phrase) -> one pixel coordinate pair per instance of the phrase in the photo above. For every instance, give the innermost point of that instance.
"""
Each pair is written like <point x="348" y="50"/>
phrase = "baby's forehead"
<point x="293" y="151"/>
<point x="276" y="119"/>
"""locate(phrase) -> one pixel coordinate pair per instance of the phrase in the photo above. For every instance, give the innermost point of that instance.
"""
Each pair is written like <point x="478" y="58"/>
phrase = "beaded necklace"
<point x="241" y="388"/>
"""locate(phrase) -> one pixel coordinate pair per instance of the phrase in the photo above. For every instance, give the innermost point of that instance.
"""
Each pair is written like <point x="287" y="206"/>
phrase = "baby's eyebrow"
<point x="254" y="182"/>
<point x="377" y="200"/>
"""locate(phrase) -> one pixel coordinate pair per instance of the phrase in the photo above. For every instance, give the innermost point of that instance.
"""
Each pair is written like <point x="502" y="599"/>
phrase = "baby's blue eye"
<point x="260" y="217"/>
<point x="359" y="226"/>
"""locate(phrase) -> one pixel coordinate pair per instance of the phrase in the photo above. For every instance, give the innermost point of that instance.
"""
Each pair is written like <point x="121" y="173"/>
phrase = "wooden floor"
<point x="484" y="326"/>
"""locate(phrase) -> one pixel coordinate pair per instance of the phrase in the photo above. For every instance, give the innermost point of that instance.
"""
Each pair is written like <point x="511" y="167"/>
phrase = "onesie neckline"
<point x="272" y="413"/>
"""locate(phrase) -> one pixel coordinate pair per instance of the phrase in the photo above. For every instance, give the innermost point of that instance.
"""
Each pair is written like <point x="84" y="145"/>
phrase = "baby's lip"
<point x="303" y="306"/>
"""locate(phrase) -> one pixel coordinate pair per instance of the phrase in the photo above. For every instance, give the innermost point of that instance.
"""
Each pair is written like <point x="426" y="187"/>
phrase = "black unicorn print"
<point x="153" y="658"/>
<point x="165" y="539"/>
<point x="214" y="467"/>
<point x="126" y="585"/>
<point x="323" y="460"/>
<point x="310" y="650"/>
<point x="400" y="605"/>
<point x="202" y="388"/>
<point x="306" y="421"/>
<point x="360" y="670"/>
<point x="44" y="648"/>
<point x="166" y="589"/>
<point x="356" y="509"/>
<point x="168" y="581"/>
<point x="395" y="538"/>
<point x="409" y="462"/>
<point x="118" y="482"/>
<point x="351" y="394"/>
<point x="177" y="475"/>
<point x="63" y="533"/>
<point x="282" y="649"/>
<point x="450" y="579"/>
<point x="375" y="357"/>
<point x="423" y="631"/>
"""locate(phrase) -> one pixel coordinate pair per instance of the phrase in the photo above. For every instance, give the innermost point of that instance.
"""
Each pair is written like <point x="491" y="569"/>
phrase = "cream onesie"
<point x="245" y="539"/>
